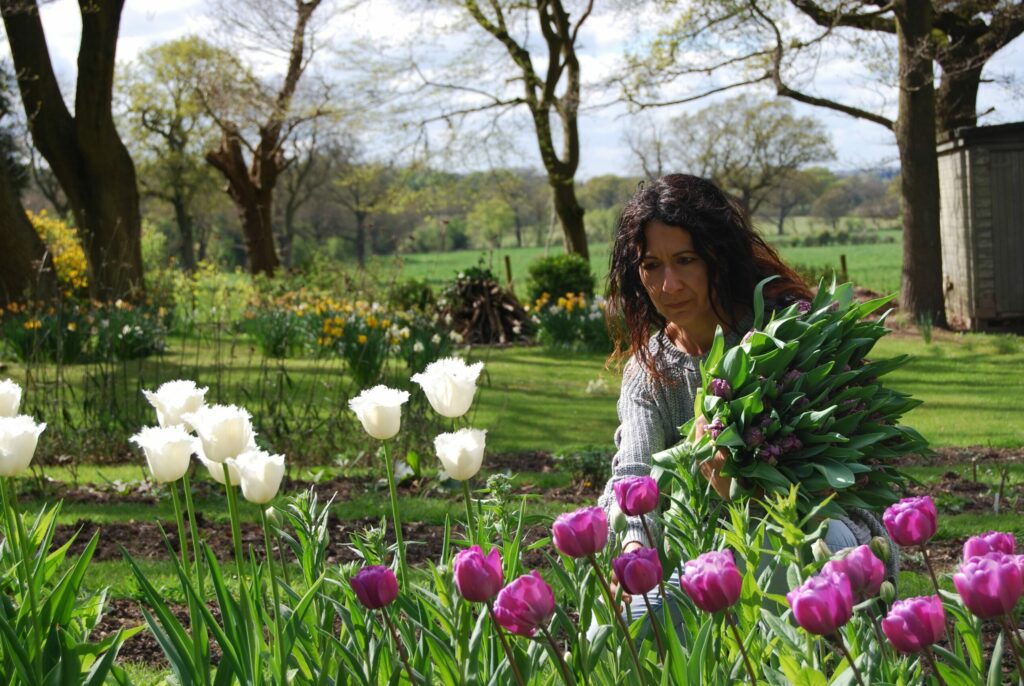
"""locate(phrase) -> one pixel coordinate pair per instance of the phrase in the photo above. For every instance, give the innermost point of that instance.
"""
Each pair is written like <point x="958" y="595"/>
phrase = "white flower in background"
<point x="595" y="386"/>
<point x="456" y="337"/>
<point x="125" y="330"/>
<point x="18" y="439"/>
<point x="436" y="339"/>
<point x="10" y="398"/>
<point x="216" y="470"/>
<point x="450" y="385"/>
<point x="403" y="471"/>
<point x="225" y="430"/>
<point x="417" y="347"/>
<point x="175" y="399"/>
<point x="461" y="453"/>
<point x="260" y="473"/>
<point x="380" y="410"/>
<point x="168" y="450"/>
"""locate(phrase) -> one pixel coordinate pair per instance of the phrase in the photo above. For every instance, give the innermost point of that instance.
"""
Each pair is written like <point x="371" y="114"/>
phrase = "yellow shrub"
<point x="62" y="242"/>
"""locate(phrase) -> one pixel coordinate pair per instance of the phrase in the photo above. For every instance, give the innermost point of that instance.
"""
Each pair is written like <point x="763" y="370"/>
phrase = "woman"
<point x="685" y="261"/>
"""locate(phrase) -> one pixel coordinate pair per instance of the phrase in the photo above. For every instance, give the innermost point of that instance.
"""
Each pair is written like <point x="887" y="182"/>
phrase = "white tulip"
<point x="461" y="453"/>
<point x="261" y="475"/>
<point x="175" y="399"/>
<point x="380" y="410"/>
<point x="18" y="439"/>
<point x="168" y="451"/>
<point x="10" y="398"/>
<point x="450" y="385"/>
<point x="216" y="470"/>
<point x="225" y="430"/>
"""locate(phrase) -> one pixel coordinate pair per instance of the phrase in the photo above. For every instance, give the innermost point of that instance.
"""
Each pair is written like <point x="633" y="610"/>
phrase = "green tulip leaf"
<point x="735" y="366"/>
<point x="837" y="474"/>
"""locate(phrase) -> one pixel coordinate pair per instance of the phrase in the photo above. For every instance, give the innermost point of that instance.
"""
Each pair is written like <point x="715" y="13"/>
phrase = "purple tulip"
<point x="638" y="571"/>
<point x="915" y="623"/>
<point x="865" y="571"/>
<point x="791" y="377"/>
<point x="477" y="577"/>
<point x="990" y="585"/>
<point x="721" y="388"/>
<point x="911" y="521"/>
<point x="753" y="437"/>
<point x="991" y="542"/>
<point x="712" y="581"/>
<point x="581" y="533"/>
<point x="636" y="495"/>
<point x="823" y="604"/>
<point x="375" y="586"/>
<point x="525" y="605"/>
<point x="770" y="453"/>
<point x="790" y="444"/>
<point x="804" y="306"/>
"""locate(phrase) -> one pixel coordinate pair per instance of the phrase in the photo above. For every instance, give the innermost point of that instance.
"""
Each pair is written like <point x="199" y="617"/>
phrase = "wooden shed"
<point x="981" y="179"/>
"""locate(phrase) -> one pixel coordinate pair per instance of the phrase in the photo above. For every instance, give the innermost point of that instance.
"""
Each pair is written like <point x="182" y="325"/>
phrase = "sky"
<point x="859" y="144"/>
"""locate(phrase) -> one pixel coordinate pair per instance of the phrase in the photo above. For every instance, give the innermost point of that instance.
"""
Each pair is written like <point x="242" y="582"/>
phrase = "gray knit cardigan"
<point x="650" y="415"/>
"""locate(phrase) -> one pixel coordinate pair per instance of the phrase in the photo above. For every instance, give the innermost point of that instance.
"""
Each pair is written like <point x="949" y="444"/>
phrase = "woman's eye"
<point x="650" y="266"/>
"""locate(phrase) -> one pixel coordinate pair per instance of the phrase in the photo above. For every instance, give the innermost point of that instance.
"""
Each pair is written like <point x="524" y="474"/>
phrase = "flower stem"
<point x="180" y="521"/>
<point x="399" y="646"/>
<point x="469" y="512"/>
<point x="657" y="629"/>
<point x="505" y="646"/>
<point x="17" y="533"/>
<point x="614" y="608"/>
<point x="236" y="531"/>
<point x="396" y="521"/>
<point x="566" y="678"/>
<point x="1013" y="645"/>
<point x="846" y="653"/>
<point x="935" y="668"/>
<point x="743" y="651"/>
<point x="194" y="532"/>
<point x="277" y="600"/>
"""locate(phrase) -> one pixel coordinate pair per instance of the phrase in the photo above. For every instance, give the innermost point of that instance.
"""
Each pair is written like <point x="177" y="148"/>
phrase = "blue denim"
<point x="837" y="537"/>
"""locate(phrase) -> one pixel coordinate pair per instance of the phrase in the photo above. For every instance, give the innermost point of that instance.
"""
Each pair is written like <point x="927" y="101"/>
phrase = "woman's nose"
<point x="672" y="283"/>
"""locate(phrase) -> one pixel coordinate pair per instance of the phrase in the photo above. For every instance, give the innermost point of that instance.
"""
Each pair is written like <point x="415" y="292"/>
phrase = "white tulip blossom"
<point x="168" y="451"/>
<point x="225" y="430"/>
<point x="175" y="399"/>
<point x="379" y="409"/>
<point x="10" y="398"/>
<point x="216" y="470"/>
<point x="18" y="439"/>
<point x="260" y="473"/>
<point x="461" y="453"/>
<point x="450" y="385"/>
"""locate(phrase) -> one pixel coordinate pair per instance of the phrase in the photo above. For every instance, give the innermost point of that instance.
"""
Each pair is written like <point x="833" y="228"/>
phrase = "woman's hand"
<point x="712" y="469"/>
<point x="613" y="582"/>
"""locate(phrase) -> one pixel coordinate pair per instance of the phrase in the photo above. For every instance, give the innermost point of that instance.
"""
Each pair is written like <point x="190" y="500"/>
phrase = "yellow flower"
<point x="32" y="324"/>
<point x="362" y="339"/>
<point x="371" y="322"/>
<point x="72" y="326"/>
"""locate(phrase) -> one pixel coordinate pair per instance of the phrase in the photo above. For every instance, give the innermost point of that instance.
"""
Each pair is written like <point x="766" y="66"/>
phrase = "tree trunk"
<point x="26" y="271"/>
<point x="570" y="216"/>
<point x="783" y="211"/>
<point x="184" y="220"/>
<point x="519" y="228"/>
<point x="85" y="152"/>
<point x="921" y="293"/>
<point x="288" y="235"/>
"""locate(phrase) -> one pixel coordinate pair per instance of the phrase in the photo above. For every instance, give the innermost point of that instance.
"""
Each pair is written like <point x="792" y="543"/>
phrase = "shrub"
<point x="410" y="294"/>
<point x="68" y="257"/>
<point x="572" y="322"/>
<point x="586" y="465"/>
<point x="560" y="274"/>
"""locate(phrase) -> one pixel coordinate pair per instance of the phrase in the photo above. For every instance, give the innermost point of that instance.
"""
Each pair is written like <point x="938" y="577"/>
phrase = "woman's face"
<point x="675" y="276"/>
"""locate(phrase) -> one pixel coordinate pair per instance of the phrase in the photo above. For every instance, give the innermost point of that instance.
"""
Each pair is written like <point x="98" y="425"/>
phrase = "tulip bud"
<point x="712" y="581"/>
<point x="865" y="571"/>
<point x="989" y="586"/>
<point x="175" y="399"/>
<point x="10" y="398"/>
<point x="375" y="586"/>
<point x="915" y="623"/>
<point x="525" y="605"/>
<point x="225" y="430"/>
<point x="19" y="437"/>
<point x="461" y="453"/>
<point x="911" y="521"/>
<point x="820" y="550"/>
<point x="478" y="577"/>
<point x="880" y="547"/>
<point x="887" y="592"/>
<point x="449" y="385"/>
<point x="379" y="410"/>
<point x="618" y="519"/>
<point x="273" y="516"/>
<point x="581" y="533"/>
<point x="636" y="495"/>
<point x="261" y="474"/>
<point x="638" y="571"/>
<point x="168" y="451"/>
<point x="720" y="387"/>
<point x="823" y="604"/>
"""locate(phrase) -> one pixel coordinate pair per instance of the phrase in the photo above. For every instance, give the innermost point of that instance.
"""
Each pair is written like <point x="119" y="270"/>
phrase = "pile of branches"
<point x="481" y="311"/>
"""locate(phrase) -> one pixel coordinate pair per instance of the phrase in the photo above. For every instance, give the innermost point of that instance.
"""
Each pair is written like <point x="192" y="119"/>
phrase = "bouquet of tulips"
<point x="798" y="401"/>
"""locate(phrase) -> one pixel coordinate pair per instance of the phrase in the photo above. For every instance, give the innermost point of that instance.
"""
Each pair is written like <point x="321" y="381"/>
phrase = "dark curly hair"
<point x="736" y="256"/>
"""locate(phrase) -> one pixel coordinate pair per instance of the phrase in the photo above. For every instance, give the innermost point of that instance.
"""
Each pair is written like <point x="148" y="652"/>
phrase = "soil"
<point x="955" y="492"/>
